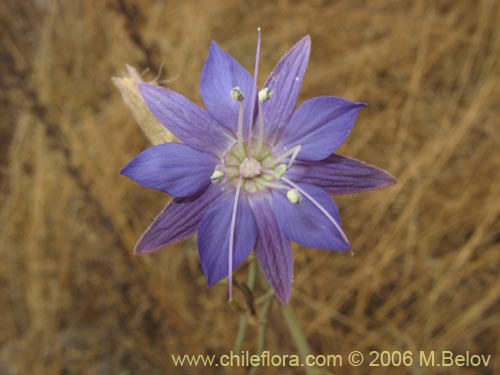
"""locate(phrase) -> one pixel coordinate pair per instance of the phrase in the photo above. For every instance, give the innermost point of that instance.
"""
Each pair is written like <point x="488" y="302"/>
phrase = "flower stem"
<point x="263" y="298"/>
<point x="252" y="274"/>
<point x="264" y="325"/>
<point x="242" y="328"/>
<point x="299" y="338"/>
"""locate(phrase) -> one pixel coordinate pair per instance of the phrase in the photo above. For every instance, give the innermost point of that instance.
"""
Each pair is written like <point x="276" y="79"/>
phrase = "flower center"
<point x="250" y="168"/>
<point x="249" y="165"/>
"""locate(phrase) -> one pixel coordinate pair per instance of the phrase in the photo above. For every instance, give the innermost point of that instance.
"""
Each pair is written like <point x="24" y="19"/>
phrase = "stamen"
<point x="269" y="184"/>
<point x="231" y="238"/>
<point x="237" y="94"/>
<point x="254" y="92"/>
<point x="293" y="151"/>
<point x="294" y="155"/>
<point x="250" y="185"/>
<point x="240" y="125"/>
<point x="318" y="205"/>
<point x="217" y="177"/>
<point x="260" y="139"/>
<point x="279" y="171"/>
<point x="265" y="94"/>
<point x="294" y="196"/>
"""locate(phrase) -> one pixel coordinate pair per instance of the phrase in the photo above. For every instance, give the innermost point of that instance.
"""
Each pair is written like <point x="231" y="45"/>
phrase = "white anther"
<point x="237" y="94"/>
<point x="217" y="176"/>
<point x="279" y="171"/>
<point x="265" y="94"/>
<point x="294" y="196"/>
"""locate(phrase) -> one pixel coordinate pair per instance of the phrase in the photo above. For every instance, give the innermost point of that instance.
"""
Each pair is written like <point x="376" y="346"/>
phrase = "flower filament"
<point x="237" y="95"/>
<point x="231" y="238"/>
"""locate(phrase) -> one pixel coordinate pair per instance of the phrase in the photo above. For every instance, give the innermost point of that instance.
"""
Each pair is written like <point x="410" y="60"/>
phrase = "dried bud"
<point x="129" y="88"/>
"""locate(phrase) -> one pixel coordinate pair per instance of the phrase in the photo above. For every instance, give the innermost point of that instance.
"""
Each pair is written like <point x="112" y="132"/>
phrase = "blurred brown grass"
<point x="425" y="275"/>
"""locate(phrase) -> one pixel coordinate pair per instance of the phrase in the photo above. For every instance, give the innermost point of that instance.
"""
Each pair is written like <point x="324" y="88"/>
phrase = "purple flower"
<point x="252" y="172"/>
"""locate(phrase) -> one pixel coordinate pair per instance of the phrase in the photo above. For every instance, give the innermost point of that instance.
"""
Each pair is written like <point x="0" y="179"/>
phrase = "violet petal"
<point x="285" y="82"/>
<point x="221" y="74"/>
<point x="272" y="248"/>
<point x="213" y="238"/>
<point x="186" y="120"/>
<point x="178" y="220"/>
<point x="320" y="126"/>
<point x="305" y="224"/>
<point x="174" y="168"/>
<point x="338" y="174"/>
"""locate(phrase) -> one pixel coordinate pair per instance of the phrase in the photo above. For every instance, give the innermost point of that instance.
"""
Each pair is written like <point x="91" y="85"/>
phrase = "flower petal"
<point x="285" y="82"/>
<point x="338" y="174"/>
<point x="178" y="220"/>
<point x="305" y="224"/>
<point x="186" y="120"/>
<point x="320" y="126"/>
<point x="221" y="74"/>
<point x="272" y="248"/>
<point x="174" y="168"/>
<point x="213" y="238"/>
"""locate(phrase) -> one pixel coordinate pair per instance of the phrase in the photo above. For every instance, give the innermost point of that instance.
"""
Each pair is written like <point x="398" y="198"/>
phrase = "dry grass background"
<point x="425" y="275"/>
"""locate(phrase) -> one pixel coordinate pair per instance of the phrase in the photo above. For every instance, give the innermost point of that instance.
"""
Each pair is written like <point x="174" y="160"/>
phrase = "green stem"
<point x="269" y="294"/>
<point x="299" y="338"/>
<point x="240" y="337"/>
<point x="264" y="326"/>
<point x="242" y="328"/>
<point x="252" y="274"/>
